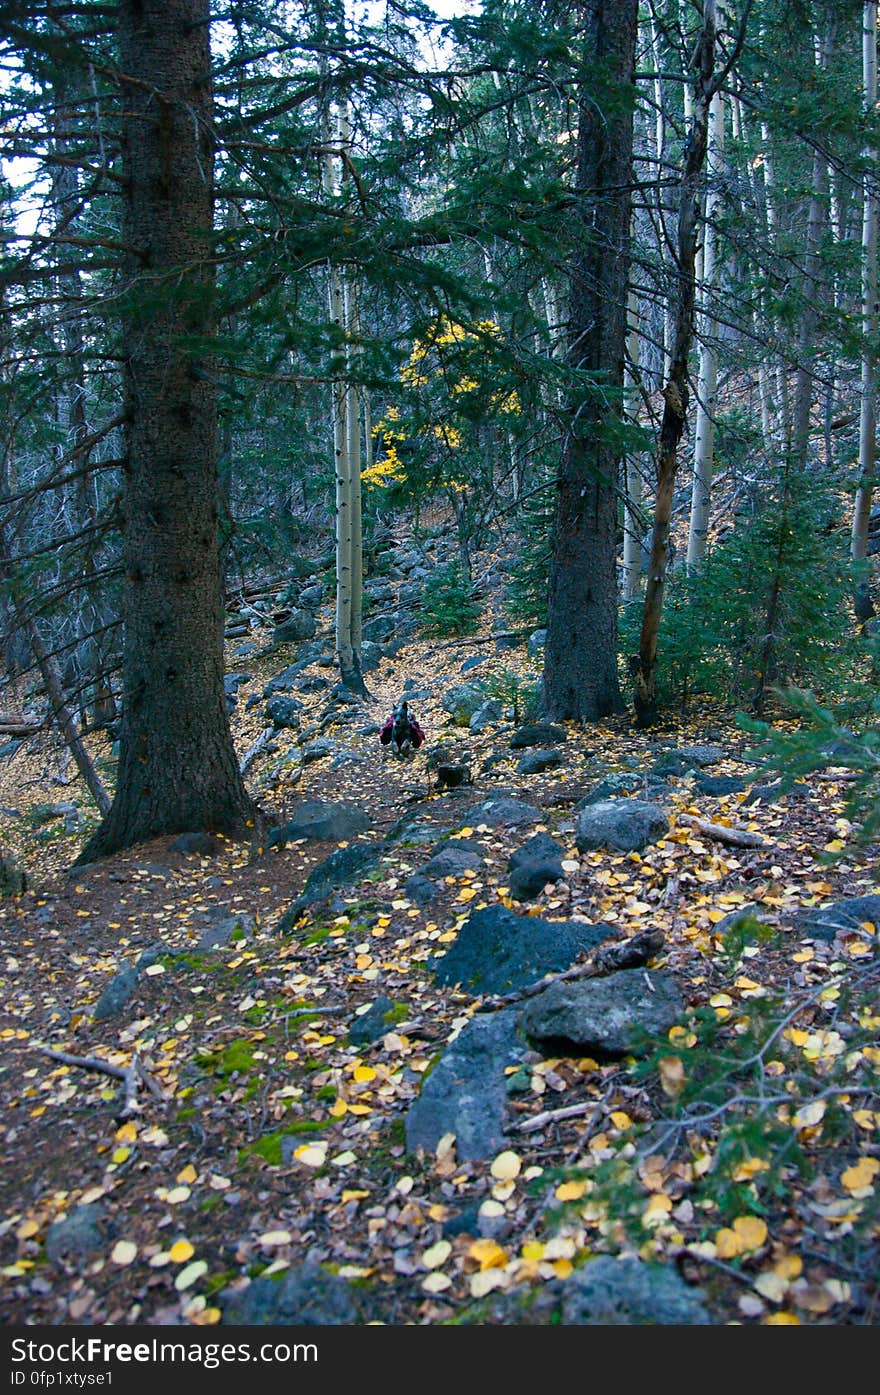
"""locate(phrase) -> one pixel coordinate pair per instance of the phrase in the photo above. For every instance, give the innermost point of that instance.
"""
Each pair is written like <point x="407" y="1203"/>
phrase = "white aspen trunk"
<point x="804" y="377"/>
<point x="707" y="381"/>
<point x="339" y="415"/>
<point x="632" y="512"/>
<point x="782" y="433"/>
<point x="353" y="464"/>
<point x="868" y="406"/>
<point x="659" y="151"/>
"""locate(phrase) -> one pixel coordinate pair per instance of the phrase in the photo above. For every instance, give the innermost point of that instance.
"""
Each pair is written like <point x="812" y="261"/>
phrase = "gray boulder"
<point x="537" y="734"/>
<point x="716" y="785"/>
<point x="371" y="656"/>
<point x="497" y="951"/>
<point x="486" y="715"/>
<point x="829" y="921"/>
<point x="504" y="812"/>
<point x="462" y="700"/>
<point x="605" y="1016"/>
<point x="465" y="1093"/>
<point x="533" y="865"/>
<point x="323" y="819"/>
<point x="683" y="759"/>
<point x="535" y="643"/>
<point x="123" y="985"/>
<point x="623" y="825"/>
<point x="79" y="1235"/>
<point x="340" y="869"/>
<point x="306" y="1296"/>
<point x="539" y="846"/>
<point x="381" y="628"/>
<point x="454" y="856"/>
<point x="297" y="627"/>
<point x="629" y="1292"/>
<point x="312" y="596"/>
<point x="622" y="782"/>
<point x="283" y="711"/>
<point x="535" y="762"/>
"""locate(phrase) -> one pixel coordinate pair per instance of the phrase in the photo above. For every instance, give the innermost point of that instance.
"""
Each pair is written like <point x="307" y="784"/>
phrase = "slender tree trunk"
<point x="707" y="376"/>
<point x="342" y="303"/>
<point x="675" y="393"/>
<point x="632" y="512"/>
<point x="580" y="678"/>
<point x="177" y="768"/>
<point x="868" y="412"/>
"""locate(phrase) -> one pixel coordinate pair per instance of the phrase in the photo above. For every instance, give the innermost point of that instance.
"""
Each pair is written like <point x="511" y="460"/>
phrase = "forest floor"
<point x="269" y="1137"/>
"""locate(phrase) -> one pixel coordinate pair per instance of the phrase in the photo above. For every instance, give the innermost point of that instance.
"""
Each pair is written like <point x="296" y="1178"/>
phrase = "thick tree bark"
<point x="580" y="679"/>
<point x="177" y="768"/>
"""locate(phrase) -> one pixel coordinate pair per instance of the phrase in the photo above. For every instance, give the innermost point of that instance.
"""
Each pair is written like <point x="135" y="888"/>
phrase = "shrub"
<point x="448" y="605"/>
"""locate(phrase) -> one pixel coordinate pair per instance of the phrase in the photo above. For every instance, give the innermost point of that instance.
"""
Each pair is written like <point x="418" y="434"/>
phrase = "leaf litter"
<point x="266" y="1136"/>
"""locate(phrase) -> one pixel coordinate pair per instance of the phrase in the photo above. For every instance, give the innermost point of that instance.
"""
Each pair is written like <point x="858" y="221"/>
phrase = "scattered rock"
<point x="123" y="985"/>
<point x="540" y="845"/>
<point x="464" y="1094"/>
<point x="534" y="762"/>
<point x="605" y="1016"/>
<point x="379" y="1018"/>
<point x="462" y="700"/>
<point x="306" y="1296"/>
<point x="298" y="626"/>
<point x="198" y="842"/>
<point x="283" y="711"/>
<point x="609" y="1292"/>
<point x="828" y="922"/>
<point x="537" y="734"/>
<point x="382" y="628"/>
<point x="84" y="1232"/>
<point x="225" y="927"/>
<point x="312" y="596"/>
<point x="486" y="715"/>
<point x="337" y="870"/>
<point x="452" y="777"/>
<point x="535" y="643"/>
<point x="622" y="783"/>
<point x="685" y="758"/>
<point x="717" y="785"/>
<point x="532" y="866"/>
<point x="497" y="951"/>
<point x="505" y="812"/>
<point x="622" y="825"/>
<point x="769" y="794"/>
<point x="454" y="856"/>
<point x="371" y="656"/>
<point x="317" y="750"/>
<point x="322" y="819"/>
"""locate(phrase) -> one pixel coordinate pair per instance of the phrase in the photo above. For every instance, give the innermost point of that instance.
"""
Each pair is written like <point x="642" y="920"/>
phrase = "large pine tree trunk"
<point x="580" y="659"/>
<point x="177" y="768"/>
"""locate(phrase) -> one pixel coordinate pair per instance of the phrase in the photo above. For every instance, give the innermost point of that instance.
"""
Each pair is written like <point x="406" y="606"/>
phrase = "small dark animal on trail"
<point x="401" y="732"/>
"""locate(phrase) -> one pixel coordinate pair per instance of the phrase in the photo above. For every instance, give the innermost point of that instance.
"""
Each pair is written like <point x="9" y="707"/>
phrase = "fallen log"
<point x="735" y="837"/>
